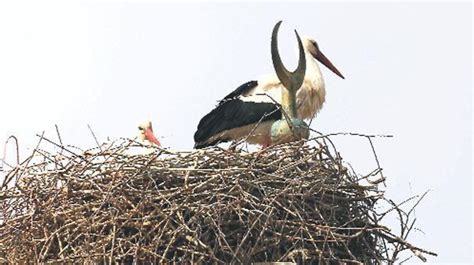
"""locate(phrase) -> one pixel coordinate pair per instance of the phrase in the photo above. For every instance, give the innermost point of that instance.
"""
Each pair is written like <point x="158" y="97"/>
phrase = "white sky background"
<point x="408" y="73"/>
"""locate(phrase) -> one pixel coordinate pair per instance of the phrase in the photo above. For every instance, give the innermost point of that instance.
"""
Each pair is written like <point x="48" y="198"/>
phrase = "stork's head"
<point x="146" y="133"/>
<point x="312" y="47"/>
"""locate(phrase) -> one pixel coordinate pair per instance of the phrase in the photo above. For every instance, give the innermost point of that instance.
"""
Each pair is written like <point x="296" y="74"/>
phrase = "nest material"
<point x="294" y="202"/>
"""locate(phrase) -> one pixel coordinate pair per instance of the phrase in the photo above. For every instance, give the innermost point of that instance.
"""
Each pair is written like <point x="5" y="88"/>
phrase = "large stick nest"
<point x="293" y="202"/>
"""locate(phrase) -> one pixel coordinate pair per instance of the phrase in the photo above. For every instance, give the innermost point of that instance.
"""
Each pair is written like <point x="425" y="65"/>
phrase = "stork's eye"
<point x="140" y="128"/>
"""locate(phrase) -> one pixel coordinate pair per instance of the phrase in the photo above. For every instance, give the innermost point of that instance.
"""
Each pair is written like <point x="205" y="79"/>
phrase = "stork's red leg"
<point x="267" y="143"/>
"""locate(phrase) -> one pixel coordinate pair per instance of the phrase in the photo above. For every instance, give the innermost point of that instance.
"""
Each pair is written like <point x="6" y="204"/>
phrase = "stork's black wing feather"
<point x="240" y="90"/>
<point x="233" y="113"/>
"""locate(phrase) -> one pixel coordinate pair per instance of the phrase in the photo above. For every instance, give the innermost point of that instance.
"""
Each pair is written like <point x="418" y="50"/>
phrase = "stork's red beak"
<point x="151" y="137"/>
<point x="324" y="60"/>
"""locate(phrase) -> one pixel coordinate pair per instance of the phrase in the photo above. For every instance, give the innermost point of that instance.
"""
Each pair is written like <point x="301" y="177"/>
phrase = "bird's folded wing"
<point x="231" y="114"/>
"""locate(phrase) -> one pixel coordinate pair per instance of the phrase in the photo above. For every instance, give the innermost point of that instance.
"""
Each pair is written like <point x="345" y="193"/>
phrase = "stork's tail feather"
<point x="200" y="145"/>
<point x="210" y="125"/>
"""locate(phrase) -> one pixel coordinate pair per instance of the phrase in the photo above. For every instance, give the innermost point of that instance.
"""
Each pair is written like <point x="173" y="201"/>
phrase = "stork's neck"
<point x="313" y="72"/>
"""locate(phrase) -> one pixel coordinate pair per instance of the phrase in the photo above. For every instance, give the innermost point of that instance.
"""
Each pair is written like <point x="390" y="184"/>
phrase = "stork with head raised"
<point x="147" y="141"/>
<point x="250" y="110"/>
<point x="146" y="133"/>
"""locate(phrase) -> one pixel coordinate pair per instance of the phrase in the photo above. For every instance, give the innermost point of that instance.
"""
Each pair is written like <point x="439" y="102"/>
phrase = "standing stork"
<point x="250" y="111"/>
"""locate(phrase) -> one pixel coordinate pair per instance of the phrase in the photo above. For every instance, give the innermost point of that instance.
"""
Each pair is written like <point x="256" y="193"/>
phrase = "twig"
<point x="95" y="138"/>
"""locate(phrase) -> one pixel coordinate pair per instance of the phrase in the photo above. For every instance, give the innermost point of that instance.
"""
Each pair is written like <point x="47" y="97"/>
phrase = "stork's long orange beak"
<point x="151" y="137"/>
<point x="324" y="60"/>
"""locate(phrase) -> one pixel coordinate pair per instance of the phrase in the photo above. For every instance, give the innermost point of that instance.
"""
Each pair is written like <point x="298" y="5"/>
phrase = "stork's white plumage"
<point x="250" y="110"/>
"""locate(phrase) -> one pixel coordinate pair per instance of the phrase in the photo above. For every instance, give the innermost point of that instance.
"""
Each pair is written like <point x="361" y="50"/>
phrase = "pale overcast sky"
<point x="408" y="73"/>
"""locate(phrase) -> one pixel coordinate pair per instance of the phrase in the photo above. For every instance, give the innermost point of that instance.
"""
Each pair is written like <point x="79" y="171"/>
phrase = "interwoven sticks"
<point x="294" y="202"/>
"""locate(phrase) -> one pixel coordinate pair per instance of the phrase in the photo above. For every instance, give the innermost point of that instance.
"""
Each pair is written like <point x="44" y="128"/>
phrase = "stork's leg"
<point x="265" y="145"/>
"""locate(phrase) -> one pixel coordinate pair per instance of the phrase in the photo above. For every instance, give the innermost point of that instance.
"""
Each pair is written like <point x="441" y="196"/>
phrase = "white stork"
<point x="147" y="140"/>
<point x="249" y="111"/>
<point x="146" y="133"/>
